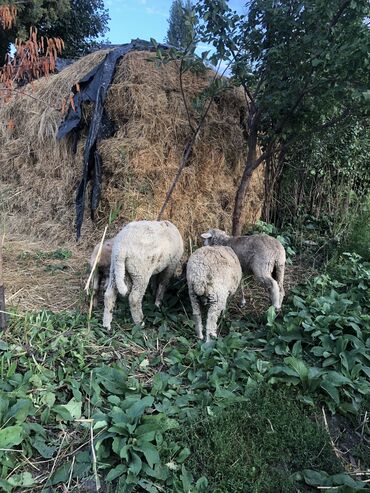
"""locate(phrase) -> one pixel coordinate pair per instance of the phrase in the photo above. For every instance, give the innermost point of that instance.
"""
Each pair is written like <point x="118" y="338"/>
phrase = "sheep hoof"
<point x="158" y="304"/>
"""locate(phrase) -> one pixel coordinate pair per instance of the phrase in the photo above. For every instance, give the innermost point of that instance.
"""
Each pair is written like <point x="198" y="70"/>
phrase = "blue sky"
<point x="143" y="19"/>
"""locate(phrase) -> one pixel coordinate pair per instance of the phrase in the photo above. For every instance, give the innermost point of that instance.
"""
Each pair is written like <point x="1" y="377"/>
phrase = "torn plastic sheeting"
<point x="94" y="87"/>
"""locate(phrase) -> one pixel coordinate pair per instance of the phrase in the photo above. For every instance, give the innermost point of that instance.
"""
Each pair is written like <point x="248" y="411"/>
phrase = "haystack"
<point x="39" y="175"/>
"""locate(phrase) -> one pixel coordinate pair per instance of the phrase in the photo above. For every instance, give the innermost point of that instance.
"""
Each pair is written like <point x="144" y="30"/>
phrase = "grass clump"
<point x="257" y="446"/>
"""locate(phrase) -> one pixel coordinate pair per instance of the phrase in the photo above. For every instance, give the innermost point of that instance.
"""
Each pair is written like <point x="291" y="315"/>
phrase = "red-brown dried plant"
<point x="8" y="13"/>
<point x="33" y="59"/>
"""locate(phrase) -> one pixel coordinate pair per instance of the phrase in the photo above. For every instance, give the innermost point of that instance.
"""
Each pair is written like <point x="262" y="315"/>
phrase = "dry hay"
<point x="38" y="176"/>
<point x="37" y="277"/>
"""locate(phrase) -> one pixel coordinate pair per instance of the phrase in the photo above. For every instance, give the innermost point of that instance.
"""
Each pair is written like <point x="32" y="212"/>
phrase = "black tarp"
<point x="94" y="87"/>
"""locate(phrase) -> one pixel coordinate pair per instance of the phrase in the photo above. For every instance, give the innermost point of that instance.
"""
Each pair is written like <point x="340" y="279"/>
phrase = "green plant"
<point x="324" y="338"/>
<point x="358" y="236"/>
<point x="120" y="409"/>
<point x="257" y="446"/>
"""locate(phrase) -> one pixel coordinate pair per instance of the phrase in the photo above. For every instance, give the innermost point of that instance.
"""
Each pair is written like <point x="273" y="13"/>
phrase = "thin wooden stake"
<point x="3" y="317"/>
<point x="96" y="261"/>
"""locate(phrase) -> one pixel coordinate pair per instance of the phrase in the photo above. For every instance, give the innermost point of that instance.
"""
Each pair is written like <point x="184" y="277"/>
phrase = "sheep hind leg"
<point x="214" y="312"/>
<point x="242" y="301"/>
<point x="163" y="281"/>
<point x="197" y="313"/>
<point x="95" y="289"/>
<point x="110" y="297"/>
<point x="280" y="269"/>
<point x="273" y="288"/>
<point x="139" y="285"/>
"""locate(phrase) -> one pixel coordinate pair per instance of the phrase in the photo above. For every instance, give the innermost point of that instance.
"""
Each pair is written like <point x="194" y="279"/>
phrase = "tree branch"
<point x="187" y="152"/>
<point x="182" y="85"/>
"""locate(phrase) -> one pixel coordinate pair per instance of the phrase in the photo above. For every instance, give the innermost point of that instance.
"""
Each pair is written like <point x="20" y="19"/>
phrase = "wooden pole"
<point x="3" y="320"/>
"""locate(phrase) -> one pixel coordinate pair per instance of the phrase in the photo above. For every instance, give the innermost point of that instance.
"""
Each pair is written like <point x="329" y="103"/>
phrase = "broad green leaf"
<point x="48" y="399"/>
<point x="298" y="365"/>
<point x="114" y="399"/>
<point x="11" y="436"/>
<point x="116" y="472"/>
<point x="6" y="486"/>
<point x="331" y="390"/>
<point x="337" y="379"/>
<point x="100" y="424"/>
<point x="186" y="478"/>
<point x="148" y="486"/>
<point x="3" y="345"/>
<point x="183" y="455"/>
<point x="113" y="379"/>
<point x="202" y="484"/>
<point x="23" y="480"/>
<point x="61" y="475"/>
<point x="150" y="452"/>
<point x="315" y="478"/>
<point x="21" y="409"/>
<point x="285" y="370"/>
<point x="69" y="411"/>
<point x="345" y="479"/>
<point x="135" y="464"/>
<point x="137" y="409"/>
<point x="271" y="315"/>
<point x="44" y="450"/>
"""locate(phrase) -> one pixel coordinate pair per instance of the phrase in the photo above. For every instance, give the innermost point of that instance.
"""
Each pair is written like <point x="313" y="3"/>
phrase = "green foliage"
<point x="304" y="69"/>
<point x="39" y="255"/>
<point x="288" y="54"/>
<point x="255" y="447"/>
<point x="78" y="22"/>
<point x="329" y="177"/>
<point x="325" y="337"/>
<point x="181" y="29"/>
<point x="358" y="236"/>
<point x="136" y="395"/>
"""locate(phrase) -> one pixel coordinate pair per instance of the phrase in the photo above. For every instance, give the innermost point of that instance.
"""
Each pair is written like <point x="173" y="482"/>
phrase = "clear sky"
<point x="143" y="19"/>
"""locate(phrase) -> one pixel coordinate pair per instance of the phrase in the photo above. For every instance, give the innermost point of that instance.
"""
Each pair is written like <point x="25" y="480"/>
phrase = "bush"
<point x="359" y="234"/>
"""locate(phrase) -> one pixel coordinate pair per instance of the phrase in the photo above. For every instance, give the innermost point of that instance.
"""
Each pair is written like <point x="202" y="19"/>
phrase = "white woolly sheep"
<point x="260" y="254"/>
<point x="101" y="275"/>
<point x="213" y="274"/>
<point x="140" y="250"/>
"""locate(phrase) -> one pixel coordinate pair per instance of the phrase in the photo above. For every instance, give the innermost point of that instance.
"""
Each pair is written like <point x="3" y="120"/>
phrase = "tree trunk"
<point x="250" y="165"/>
<point x="2" y="292"/>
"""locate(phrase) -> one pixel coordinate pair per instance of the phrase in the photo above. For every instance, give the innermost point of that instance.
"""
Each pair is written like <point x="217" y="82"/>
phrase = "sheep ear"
<point x="206" y="235"/>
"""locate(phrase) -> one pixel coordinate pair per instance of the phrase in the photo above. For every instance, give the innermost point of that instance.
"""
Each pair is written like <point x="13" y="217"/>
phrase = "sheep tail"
<point x="119" y="274"/>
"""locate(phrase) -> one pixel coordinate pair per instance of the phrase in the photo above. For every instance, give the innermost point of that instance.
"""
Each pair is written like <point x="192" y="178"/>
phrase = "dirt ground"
<point x="40" y="277"/>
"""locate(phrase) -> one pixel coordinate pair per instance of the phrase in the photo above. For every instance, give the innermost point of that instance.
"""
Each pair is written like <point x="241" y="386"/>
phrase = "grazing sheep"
<point x="261" y="254"/>
<point x="140" y="250"/>
<point x="101" y="274"/>
<point x="212" y="273"/>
